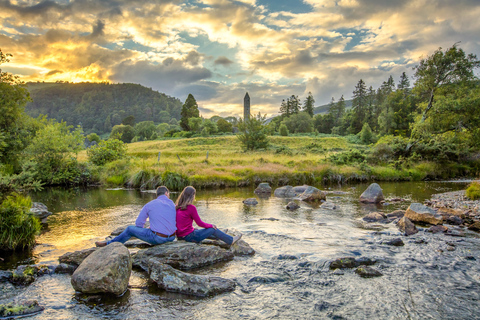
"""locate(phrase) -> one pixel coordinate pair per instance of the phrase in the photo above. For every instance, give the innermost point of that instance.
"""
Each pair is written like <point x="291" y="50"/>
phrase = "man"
<point x="162" y="215"/>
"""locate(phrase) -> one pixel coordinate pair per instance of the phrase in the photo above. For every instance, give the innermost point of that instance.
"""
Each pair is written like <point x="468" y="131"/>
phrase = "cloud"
<point x="223" y="61"/>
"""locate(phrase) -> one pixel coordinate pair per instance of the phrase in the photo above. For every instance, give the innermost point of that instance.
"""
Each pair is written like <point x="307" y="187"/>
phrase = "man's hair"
<point x="162" y="190"/>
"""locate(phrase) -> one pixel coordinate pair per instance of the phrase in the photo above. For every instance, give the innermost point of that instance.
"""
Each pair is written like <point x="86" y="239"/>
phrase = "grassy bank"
<point x="288" y="160"/>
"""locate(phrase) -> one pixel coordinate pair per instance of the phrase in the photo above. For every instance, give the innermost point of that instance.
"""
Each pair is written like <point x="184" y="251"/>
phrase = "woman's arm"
<point x="196" y="218"/>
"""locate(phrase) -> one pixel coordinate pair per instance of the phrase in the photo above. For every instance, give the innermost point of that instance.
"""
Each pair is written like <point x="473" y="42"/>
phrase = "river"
<point x="421" y="280"/>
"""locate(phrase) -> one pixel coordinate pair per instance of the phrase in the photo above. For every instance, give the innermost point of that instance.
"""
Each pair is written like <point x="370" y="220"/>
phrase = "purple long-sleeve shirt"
<point x="161" y="213"/>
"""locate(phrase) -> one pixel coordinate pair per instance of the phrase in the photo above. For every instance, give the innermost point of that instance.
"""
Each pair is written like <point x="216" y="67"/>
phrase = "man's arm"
<point x="142" y="217"/>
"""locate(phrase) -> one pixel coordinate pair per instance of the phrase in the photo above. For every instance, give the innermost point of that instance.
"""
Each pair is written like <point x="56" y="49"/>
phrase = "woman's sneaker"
<point x="101" y="243"/>
<point x="235" y="239"/>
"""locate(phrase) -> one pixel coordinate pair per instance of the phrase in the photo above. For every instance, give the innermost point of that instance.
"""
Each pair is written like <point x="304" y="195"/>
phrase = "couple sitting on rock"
<point x="168" y="219"/>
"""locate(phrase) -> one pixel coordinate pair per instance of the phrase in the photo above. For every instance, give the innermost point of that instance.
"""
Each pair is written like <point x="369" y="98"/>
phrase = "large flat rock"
<point x="418" y="212"/>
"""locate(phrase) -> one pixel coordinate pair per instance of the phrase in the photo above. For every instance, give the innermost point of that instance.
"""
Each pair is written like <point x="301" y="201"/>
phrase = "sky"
<point x="218" y="50"/>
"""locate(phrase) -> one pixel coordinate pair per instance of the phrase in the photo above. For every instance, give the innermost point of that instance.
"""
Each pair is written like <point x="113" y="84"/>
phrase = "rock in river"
<point x="107" y="270"/>
<point x="292" y="206"/>
<point x="19" y="310"/>
<point x="312" y="194"/>
<point x="182" y="255"/>
<point x="285" y="192"/>
<point x="374" y="217"/>
<point x="367" y="272"/>
<point x="75" y="258"/>
<point x="263" y="188"/>
<point x="41" y="211"/>
<point x="350" y="262"/>
<point x="250" y="202"/>
<point x="406" y="226"/>
<point x="373" y="194"/>
<point x="418" y="212"/>
<point x="173" y="280"/>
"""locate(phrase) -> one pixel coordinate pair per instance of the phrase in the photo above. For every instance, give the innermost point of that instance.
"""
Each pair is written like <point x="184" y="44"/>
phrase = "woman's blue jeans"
<point x="201" y="234"/>
<point x="144" y="234"/>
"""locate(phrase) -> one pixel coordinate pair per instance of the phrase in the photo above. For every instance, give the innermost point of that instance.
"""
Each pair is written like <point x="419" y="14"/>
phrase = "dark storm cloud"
<point x="53" y="72"/>
<point x="98" y="29"/>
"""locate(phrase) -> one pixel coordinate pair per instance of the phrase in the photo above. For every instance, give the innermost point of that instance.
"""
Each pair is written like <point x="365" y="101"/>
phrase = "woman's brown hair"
<point x="185" y="198"/>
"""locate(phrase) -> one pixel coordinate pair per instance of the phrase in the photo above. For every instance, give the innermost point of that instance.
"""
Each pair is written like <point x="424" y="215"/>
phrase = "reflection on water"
<point x="421" y="281"/>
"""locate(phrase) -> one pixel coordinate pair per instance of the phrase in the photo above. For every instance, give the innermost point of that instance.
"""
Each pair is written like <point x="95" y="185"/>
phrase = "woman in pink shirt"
<point x="187" y="213"/>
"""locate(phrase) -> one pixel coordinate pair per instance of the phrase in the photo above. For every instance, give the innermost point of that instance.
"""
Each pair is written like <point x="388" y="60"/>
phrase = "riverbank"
<point x="217" y="162"/>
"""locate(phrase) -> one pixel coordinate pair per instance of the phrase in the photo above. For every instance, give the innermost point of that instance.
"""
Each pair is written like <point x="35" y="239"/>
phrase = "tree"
<point x="299" y="123"/>
<point x="210" y="127"/>
<point x="106" y="151"/>
<point x="93" y="137"/>
<point x="359" y="106"/>
<point x="122" y="132"/>
<point x="252" y="133"/>
<point x="189" y="110"/>
<point x="309" y="104"/>
<point x="224" y="126"/>
<point x="442" y="69"/>
<point x="195" y="124"/>
<point x="366" y="135"/>
<point x="144" y="130"/>
<point x="337" y="111"/>
<point x="283" y="130"/>
<point x="129" y="121"/>
<point x="404" y="83"/>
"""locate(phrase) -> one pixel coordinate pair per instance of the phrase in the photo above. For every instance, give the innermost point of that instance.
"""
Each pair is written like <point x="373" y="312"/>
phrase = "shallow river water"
<point x="421" y="280"/>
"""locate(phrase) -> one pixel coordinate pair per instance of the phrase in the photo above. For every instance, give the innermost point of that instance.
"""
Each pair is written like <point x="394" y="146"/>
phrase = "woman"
<point x="187" y="213"/>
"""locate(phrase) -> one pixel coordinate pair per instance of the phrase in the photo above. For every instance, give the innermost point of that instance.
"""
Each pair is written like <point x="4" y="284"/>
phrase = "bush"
<point x="283" y="130"/>
<point x="473" y="190"/>
<point x="93" y="137"/>
<point x="123" y="132"/>
<point x="106" y="151"/>
<point x="348" y="157"/>
<point x="253" y="133"/>
<point x="18" y="227"/>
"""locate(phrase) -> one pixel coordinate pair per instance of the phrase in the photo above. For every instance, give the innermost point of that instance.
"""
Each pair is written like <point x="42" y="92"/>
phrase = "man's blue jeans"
<point x="201" y="234"/>
<point x="144" y="234"/>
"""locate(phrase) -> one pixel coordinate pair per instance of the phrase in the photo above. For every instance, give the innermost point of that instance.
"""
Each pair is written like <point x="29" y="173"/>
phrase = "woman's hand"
<point x="214" y="226"/>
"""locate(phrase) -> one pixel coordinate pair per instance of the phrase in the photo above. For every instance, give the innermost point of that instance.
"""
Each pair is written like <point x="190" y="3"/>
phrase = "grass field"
<point x="288" y="160"/>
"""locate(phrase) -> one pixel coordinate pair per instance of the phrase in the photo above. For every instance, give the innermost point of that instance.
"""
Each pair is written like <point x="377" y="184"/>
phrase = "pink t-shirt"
<point x="185" y="220"/>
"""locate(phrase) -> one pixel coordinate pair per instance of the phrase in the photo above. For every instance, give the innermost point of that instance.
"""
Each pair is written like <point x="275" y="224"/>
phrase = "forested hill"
<point x="324" y="108"/>
<point x="97" y="107"/>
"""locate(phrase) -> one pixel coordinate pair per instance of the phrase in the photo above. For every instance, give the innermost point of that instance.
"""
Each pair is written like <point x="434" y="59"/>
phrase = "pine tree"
<point x="285" y="109"/>
<point x="294" y="104"/>
<point x="359" y="106"/>
<point x="308" y="104"/>
<point x="189" y="110"/>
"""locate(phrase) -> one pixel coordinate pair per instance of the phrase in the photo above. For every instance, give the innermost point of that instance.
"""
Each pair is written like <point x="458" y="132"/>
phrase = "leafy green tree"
<point x="195" y="124"/>
<point x="144" y="130"/>
<point x="324" y="123"/>
<point x="252" y="133"/>
<point x="210" y="126"/>
<point x="52" y="152"/>
<point x="443" y="68"/>
<point x="366" y="134"/>
<point x="107" y="151"/>
<point x="122" y="132"/>
<point x="93" y="137"/>
<point x="224" y="126"/>
<point x="283" y="130"/>
<point x="162" y="128"/>
<point x="129" y="121"/>
<point x="308" y="104"/>
<point x="299" y="123"/>
<point x="189" y="110"/>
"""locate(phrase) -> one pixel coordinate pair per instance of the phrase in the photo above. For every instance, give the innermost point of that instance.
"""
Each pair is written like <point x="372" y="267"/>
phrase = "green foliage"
<point x="473" y="190"/>
<point x="348" y="157"/>
<point x="18" y="226"/>
<point x="122" y="132"/>
<point x="129" y="121"/>
<point x="323" y="123"/>
<point x="299" y="123"/>
<point x="308" y="105"/>
<point x="224" y="126"/>
<point x="195" y="124"/>
<point x="366" y="135"/>
<point x="107" y="151"/>
<point x="209" y="126"/>
<point x="51" y="151"/>
<point x="252" y="134"/>
<point x="93" y="137"/>
<point x="283" y="130"/>
<point x="144" y="130"/>
<point x="174" y="180"/>
<point x="291" y="106"/>
<point x="189" y="110"/>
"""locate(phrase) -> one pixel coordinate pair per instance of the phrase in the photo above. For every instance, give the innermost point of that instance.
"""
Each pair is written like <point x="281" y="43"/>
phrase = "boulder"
<point x="350" y="262"/>
<point x="406" y="226"/>
<point x="285" y="192"/>
<point x="312" y="194"/>
<point x="454" y="220"/>
<point x="250" y="202"/>
<point x="76" y="258"/>
<point x="475" y="226"/>
<point x="374" y="217"/>
<point x="300" y="189"/>
<point x="367" y="272"/>
<point x="173" y="280"/>
<point x="397" y="242"/>
<point x="446" y="212"/>
<point x="41" y="211"/>
<point x="64" y="268"/>
<point x="396" y="214"/>
<point x="418" y="212"/>
<point x="5" y="275"/>
<point x="240" y="248"/>
<point x="437" y="229"/>
<point x="373" y="194"/>
<point x="263" y="188"/>
<point x="107" y="270"/>
<point x="20" y="310"/>
<point x="292" y="206"/>
<point x="26" y="274"/>
<point x="328" y="206"/>
<point x="182" y="255"/>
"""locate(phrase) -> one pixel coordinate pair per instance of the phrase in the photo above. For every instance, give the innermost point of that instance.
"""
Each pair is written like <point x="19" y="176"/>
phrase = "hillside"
<point x="324" y="108"/>
<point x="97" y="107"/>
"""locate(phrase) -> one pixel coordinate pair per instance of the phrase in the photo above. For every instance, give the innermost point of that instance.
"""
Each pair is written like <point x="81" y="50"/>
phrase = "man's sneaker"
<point x="101" y="243"/>
<point x="235" y="239"/>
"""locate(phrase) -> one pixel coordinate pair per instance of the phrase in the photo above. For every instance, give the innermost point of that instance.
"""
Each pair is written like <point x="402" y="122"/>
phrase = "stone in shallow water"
<point x="374" y="217"/>
<point x="173" y="280"/>
<point x="250" y="202"/>
<point x="406" y="226"/>
<point x="397" y="242"/>
<point x="373" y="194"/>
<point x="312" y="194"/>
<point x="107" y="270"/>
<point x="350" y="262"/>
<point x="437" y="229"/>
<point x="328" y="206"/>
<point x="263" y="188"/>
<point x="285" y="192"/>
<point x="22" y="309"/>
<point x="367" y="272"/>
<point x="75" y="258"/>
<point x="292" y="206"/>
<point x="418" y="212"/>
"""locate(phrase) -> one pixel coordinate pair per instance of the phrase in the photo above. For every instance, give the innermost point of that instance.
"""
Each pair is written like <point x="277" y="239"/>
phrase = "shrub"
<point x="174" y="180"/>
<point x="348" y="157"/>
<point x="106" y="151"/>
<point x="18" y="226"/>
<point x="283" y="130"/>
<point x="473" y="190"/>
<point x="253" y="133"/>
<point x="123" y="132"/>
<point x="93" y="137"/>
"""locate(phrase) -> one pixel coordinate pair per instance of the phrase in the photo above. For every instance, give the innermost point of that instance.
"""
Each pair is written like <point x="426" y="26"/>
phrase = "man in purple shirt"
<point x="161" y="213"/>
